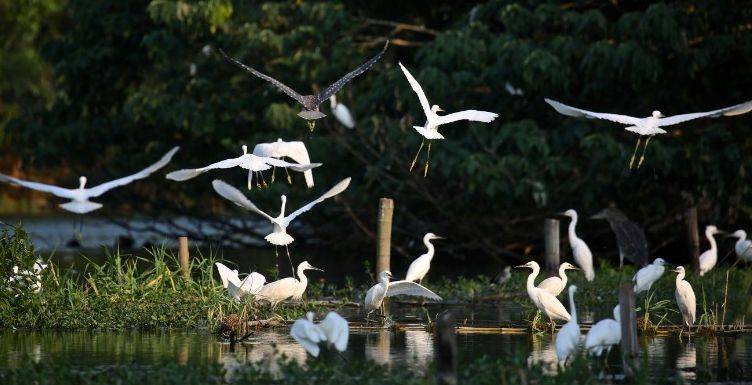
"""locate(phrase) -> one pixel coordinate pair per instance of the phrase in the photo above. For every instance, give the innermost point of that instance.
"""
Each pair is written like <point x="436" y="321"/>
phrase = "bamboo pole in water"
<point x="183" y="256"/>
<point x="628" y="315"/>
<point x="694" y="239"/>
<point x="384" y="239"/>
<point x="552" y="243"/>
<point x="446" y="350"/>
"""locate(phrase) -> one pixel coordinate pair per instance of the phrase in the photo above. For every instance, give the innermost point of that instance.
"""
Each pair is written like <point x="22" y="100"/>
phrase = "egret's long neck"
<point x="384" y="282"/>
<point x="429" y="246"/>
<point x="742" y="237"/>
<point x="572" y="225"/>
<point x="301" y="276"/>
<point x="531" y="279"/>
<point x="679" y="278"/>
<point x="282" y="209"/>
<point x="563" y="274"/>
<point x="572" y="308"/>
<point x="713" y="245"/>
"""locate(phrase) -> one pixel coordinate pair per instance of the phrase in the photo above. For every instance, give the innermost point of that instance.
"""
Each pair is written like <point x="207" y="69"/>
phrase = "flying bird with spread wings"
<point x="651" y="125"/>
<point x="310" y="111"/>
<point x="295" y="150"/>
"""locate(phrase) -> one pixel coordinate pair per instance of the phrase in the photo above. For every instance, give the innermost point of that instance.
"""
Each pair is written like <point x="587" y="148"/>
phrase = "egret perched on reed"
<point x="236" y="287"/>
<point x="376" y="294"/>
<point x="604" y="334"/>
<point x="430" y="130"/>
<point x="685" y="298"/>
<point x="342" y="113"/>
<point x="580" y="250"/>
<point x="294" y="150"/>
<point x="543" y="300"/>
<point x="289" y="287"/>
<point x="568" y="337"/>
<point x="709" y="258"/>
<point x="555" y="285"/>
<point x="255" y="165"/>
<point x="80" y="203"/>
<point x="420" y="266"/>
<point x="333" y="331"/>
<point x="310" y="103"/>
<point x="743" y="246"/>
<point x="650" y="125"/>
<point x="645" y="277"/>
<point x="279" y="235"/>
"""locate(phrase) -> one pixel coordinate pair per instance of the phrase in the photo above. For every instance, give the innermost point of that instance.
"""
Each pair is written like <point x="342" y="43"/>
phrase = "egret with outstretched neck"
<point x="420" y="266"/>
<point x="568" y="337"/>
<point x="543" y="300"/>
<point x="580" y="250"/>
<point x="289" y="287"/>
<point x="685" y="298"/>
<point x="743" y="246"/>
<point x="709" y="258"/>
<point x="555" y="285"/>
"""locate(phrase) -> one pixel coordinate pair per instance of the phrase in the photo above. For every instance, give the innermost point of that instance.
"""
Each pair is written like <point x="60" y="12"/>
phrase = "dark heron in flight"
<point x="310" y="111"/>
<point x="633" y="246"/>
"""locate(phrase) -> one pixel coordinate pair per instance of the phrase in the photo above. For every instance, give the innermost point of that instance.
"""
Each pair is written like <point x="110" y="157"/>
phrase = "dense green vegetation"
<point x="131" y="79"/>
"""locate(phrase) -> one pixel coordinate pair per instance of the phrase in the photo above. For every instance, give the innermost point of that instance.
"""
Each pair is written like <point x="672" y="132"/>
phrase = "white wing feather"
<point x="308" y="336"/>
<point x="338" y="188"/>
<point x="253" y="283"/>
<point x="411" y="289"/>
<point x="296" y="151"/>
<point x="234" y="195"/>
<point x="418" y="90"/>
<point x="738" y="109"/>
<point x="472" y="115"/>
<point x="336" y="330"/>
<point x="104" y="187"/>
<point x="577" y="112"/>
<point x="182" y="175"/>
<point x="55" y="190"/>
<point x="227" y="275"/>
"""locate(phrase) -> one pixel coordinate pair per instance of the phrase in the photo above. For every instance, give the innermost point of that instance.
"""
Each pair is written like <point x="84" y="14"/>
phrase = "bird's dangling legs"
<point x="428" y="159"/>
<point x="292" y="268"/>
<point x="250" y="180"/>
<point x="416" y="154"/>
<point x="258" y="179"/>
<point x="263" y="181"/>
<point x="311" y="125"/>
<point x="274" y="168"/>
<point x="645" y="148"/>
<point x="289" y="178"/>
<point x="276" y="260"/>
<point x="634" y="153"/>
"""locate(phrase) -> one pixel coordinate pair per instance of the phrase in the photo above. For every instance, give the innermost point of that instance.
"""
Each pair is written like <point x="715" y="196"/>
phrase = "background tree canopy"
<point x="133" y="78"/>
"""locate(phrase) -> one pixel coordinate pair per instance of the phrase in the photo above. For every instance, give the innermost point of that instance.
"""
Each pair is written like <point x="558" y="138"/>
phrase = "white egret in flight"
<point x="580" y="250"/>
<point x="333" y="331"/>
<point x="255" y="165"/>
<point x="420" y="266"/>
<point x="685" y="298"/>
<point x="543" y="300"/>
<point x="376" y="294"/>
<point x="568" y="338"/>
<point x="604" y="334"/>
<point x="645" y="277"/>
<point x="289" y="287"/>
<point x="236" y="287"/>
<point x="295" y="150"/>
<point x="743" y="246"/>
<point x="430" y="129"/>
<point x="650" y="125"/>
<point x="709" y="258"/>
<point x="342" y="113"/>
<point x="555" y="285"/>
<point x="310" y="103"/>
<point x="80" y="196"/>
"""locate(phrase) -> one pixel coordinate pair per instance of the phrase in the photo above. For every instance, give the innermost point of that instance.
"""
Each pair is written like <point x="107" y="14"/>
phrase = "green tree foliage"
<point x="136" y="77"/>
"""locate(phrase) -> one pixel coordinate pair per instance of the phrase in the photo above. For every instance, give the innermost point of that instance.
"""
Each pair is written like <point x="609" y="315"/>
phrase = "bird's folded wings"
<point x="338" y="188"/>
<point x="738" y="109"/>
<point x="234" y="195"/>
<point x="577" y="112"/>
<point x="332" y="89"/>
<point x="418" y="90"/>
<point x="55" y="190"/>
<point x="104" y="187"/>
<point x="410" y="289"/>
<point x="283" y="87"/>
<point x="472" y="115"/>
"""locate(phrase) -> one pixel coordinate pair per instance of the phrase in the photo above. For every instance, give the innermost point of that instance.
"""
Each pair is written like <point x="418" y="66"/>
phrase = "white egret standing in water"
<point x="543" y="300"/>
<point x="333" y="331"/>
<point x="650" y="125"/>
<point x="709" y="258"/>
<point x="645" y="277"/>
<point x="743" y="246"/>
<point x="289" y="287"/>
<point x="580" y="250"/>
<point x="604" y="334"/>
<point x="376" y="294"/>
<point x="420" y="266"/>
<point x="568" y="338"/>
<point x="555" y="285"/>
<point x="685" y="298"/>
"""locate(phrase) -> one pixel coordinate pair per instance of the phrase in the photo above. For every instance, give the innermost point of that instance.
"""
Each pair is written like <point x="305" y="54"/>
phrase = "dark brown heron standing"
<point x="630" y="238"/>
<point x="310" y="111"/>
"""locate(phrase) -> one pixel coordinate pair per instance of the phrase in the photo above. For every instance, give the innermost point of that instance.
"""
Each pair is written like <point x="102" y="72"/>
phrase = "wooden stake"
<point x="629" y="348"/>
<point x="183" y="256"/>
<point x="384" y="245"/>
<point x="694" y="239"/>
<point x="446" y="350"/>
<point x="552" y="253"/>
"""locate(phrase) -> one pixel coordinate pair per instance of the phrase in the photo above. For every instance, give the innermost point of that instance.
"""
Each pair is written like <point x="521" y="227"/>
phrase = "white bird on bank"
<point x="420" y="266"/>
<point x="80" y="203"/>
<point x="295" y="150"/>
<point x="743" y="246"/>
<point x="646" y="277"/>
<point x="604" y="334"/>
<point x="555" y="285"/>
<point x="342" y="113"/>
<point x="430" y="129"/>
<point x="580" y="250"/>
<point x="376" y="294"/>
<point x="236" y="287"/>
<point x="289" y="287"/>
<point x="543" y="300"/>
<point x="34" y="275"/>
<point x="685" y="298"/>
<point x="255" y="165"/>
<point x="650" y="125"/>
<point x="568" y="337"/>
<point x="333" y="331"/>
<point x="279" y="235"/>
<point x="709" y="258"/>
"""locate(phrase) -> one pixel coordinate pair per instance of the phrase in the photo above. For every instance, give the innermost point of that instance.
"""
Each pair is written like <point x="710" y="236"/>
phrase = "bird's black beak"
<point x="316" y="268"/>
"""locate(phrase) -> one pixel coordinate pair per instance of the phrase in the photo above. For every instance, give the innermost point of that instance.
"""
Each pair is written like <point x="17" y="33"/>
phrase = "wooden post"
<point x="694" y="239"/>
<point x="446" y="350"/>
<point x="552" y="253"/>
<point x="384" y="245"/>
<point x="629" y="348"/>
<point x="183" y="256"/>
